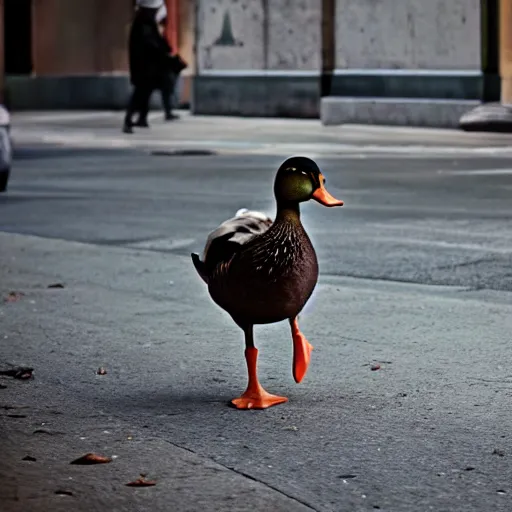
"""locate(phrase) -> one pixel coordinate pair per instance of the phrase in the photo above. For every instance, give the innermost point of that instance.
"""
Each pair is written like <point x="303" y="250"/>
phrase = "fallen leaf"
<point x="102" y="371"/>
<point x="29" y="458"/>
<point x="498" y="452"/>
<point x="141" y="482"/>
<point x="14" y="296"/>
<point x="91" y="458"/>
<point x="375" y="367"/>
<point x="18" y="372"/>
<point x="45" y="431"/>
<point x="291" y="427"/>
<point x="56" y="285"/>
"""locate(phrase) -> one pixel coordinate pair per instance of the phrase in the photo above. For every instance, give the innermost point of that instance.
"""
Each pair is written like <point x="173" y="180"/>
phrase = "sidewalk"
<point x="54" y="419"/>
<point x="250" y="135"/>
<point x="118" y="310"/>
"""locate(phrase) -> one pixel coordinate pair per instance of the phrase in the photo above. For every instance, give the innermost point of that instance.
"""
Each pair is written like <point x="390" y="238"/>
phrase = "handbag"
<point x="176" y="64"/>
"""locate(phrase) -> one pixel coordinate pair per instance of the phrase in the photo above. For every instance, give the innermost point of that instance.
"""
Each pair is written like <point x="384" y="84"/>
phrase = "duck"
<point x="261" y="271"/>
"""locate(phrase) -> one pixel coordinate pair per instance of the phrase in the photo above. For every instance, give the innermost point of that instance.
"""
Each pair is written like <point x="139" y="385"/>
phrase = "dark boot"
<point x="141" y="123"/>
<point x="169" y="116"/>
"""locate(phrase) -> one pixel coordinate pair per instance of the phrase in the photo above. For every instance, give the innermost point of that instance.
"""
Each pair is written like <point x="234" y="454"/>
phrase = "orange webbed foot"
<point x="255" y="397"/>
<point x="301" y="353"/>
<point x="257" y="400"/>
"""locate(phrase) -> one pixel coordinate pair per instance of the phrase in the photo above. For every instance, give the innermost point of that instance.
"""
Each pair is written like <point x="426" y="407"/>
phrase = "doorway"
<point x="18" y="37"/>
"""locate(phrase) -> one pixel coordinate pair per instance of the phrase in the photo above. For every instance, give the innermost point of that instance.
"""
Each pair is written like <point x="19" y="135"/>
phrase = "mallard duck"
<point x="262" y="272"/>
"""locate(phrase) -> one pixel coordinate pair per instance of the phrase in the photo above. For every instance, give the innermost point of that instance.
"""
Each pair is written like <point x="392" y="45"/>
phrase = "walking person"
<point x="148" y="58"/>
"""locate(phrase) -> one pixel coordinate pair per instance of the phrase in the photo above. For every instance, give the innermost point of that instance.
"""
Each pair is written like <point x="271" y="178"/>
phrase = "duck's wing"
<point x="226" y="240"/>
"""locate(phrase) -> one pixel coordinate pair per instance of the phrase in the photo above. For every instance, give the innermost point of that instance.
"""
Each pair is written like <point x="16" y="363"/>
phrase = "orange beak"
<point x="323" y="197"/>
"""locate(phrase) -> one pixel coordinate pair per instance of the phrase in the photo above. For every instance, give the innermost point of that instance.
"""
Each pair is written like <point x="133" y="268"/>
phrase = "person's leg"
<point x="165" y="92"/>
<point x="143" y="106"/>
<point x="170" y="88"/>
<point x="133" y="106"/>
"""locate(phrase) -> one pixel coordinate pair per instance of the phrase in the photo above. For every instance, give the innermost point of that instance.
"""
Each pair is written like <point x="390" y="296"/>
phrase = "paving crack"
<point x="466" y="263"/>
<point x="246" y="475"/>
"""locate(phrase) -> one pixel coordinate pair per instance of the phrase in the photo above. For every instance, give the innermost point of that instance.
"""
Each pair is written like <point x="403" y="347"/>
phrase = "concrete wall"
<point x="258" y="57"/>
<point x="75" y="37"/>
<point x="408" y="34"/>
<point x="405" y="52"/>
<point x="79" y="54"/>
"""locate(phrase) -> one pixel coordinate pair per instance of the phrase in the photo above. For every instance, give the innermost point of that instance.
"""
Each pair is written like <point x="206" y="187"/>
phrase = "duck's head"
<point x="299" y="179"/>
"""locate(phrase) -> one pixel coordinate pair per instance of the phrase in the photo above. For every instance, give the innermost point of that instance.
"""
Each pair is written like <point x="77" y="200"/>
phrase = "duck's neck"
<point x="288" y="212"/>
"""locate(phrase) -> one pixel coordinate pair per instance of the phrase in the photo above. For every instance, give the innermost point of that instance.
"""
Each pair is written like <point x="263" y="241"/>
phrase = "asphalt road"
<point x="415" y="275"/>
<point x="426" y="221"/>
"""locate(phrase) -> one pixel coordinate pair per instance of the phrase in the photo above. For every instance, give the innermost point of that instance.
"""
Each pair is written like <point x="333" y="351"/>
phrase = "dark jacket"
<point x="148" y="51"/>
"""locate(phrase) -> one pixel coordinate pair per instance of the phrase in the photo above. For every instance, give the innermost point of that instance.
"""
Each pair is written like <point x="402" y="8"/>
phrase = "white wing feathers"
<point x="245" y="225"/>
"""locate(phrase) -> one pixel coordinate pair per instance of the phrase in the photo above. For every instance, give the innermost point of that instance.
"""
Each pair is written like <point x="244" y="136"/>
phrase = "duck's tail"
<point x="200" y="267"/>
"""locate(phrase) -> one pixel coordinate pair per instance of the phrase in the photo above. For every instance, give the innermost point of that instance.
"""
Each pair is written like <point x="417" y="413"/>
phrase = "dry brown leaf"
<point x="141" y="482"/>
<point x="14" y="296"/>
<point x="91" y="458"/>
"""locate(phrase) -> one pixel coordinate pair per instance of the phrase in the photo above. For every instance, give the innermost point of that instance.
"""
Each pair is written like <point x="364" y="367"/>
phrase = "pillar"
<point x="173" y="25"/>
<point x="505" y="14"/>
<point x="328" y="45"/>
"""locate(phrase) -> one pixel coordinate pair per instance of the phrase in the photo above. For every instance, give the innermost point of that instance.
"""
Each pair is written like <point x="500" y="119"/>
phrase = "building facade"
<point x="404" y="61"/>
<point x="73" y="53"/>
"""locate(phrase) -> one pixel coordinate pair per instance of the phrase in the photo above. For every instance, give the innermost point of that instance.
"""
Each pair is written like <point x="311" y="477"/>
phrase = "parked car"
<point x="5" y="148"/>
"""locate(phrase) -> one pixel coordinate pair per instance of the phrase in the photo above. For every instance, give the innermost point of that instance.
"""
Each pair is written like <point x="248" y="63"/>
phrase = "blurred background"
<point x="302" y="58"/>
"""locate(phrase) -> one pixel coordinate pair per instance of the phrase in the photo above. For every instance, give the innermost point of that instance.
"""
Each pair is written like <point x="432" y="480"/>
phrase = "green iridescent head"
<point x="299" y="179"/>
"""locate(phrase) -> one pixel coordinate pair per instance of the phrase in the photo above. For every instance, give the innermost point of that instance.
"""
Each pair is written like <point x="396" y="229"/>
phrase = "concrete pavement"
<point x="429" y="430"/>
<point x="234" y="135"/>
<point x="415" y="276"/>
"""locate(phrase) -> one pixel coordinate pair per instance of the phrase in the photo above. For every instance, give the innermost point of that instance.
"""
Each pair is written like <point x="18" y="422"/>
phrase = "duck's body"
<point x="265" y="277"/>
<point x="263" y="272"/>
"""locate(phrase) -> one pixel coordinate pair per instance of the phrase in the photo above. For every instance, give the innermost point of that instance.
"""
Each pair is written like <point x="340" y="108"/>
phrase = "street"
<point x="407" y="405"/>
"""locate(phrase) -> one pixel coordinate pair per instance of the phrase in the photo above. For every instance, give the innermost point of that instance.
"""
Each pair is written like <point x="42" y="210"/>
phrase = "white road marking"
<point x="479" y="172"/>
<point x="463" y="231"/>
<point x="167" y="244"/>
<point x="439" y="244"/>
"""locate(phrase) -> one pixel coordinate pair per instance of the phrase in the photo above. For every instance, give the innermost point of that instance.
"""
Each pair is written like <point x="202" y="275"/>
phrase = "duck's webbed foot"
<point x="301" y="352"/>
<point x="255" y="397"/>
